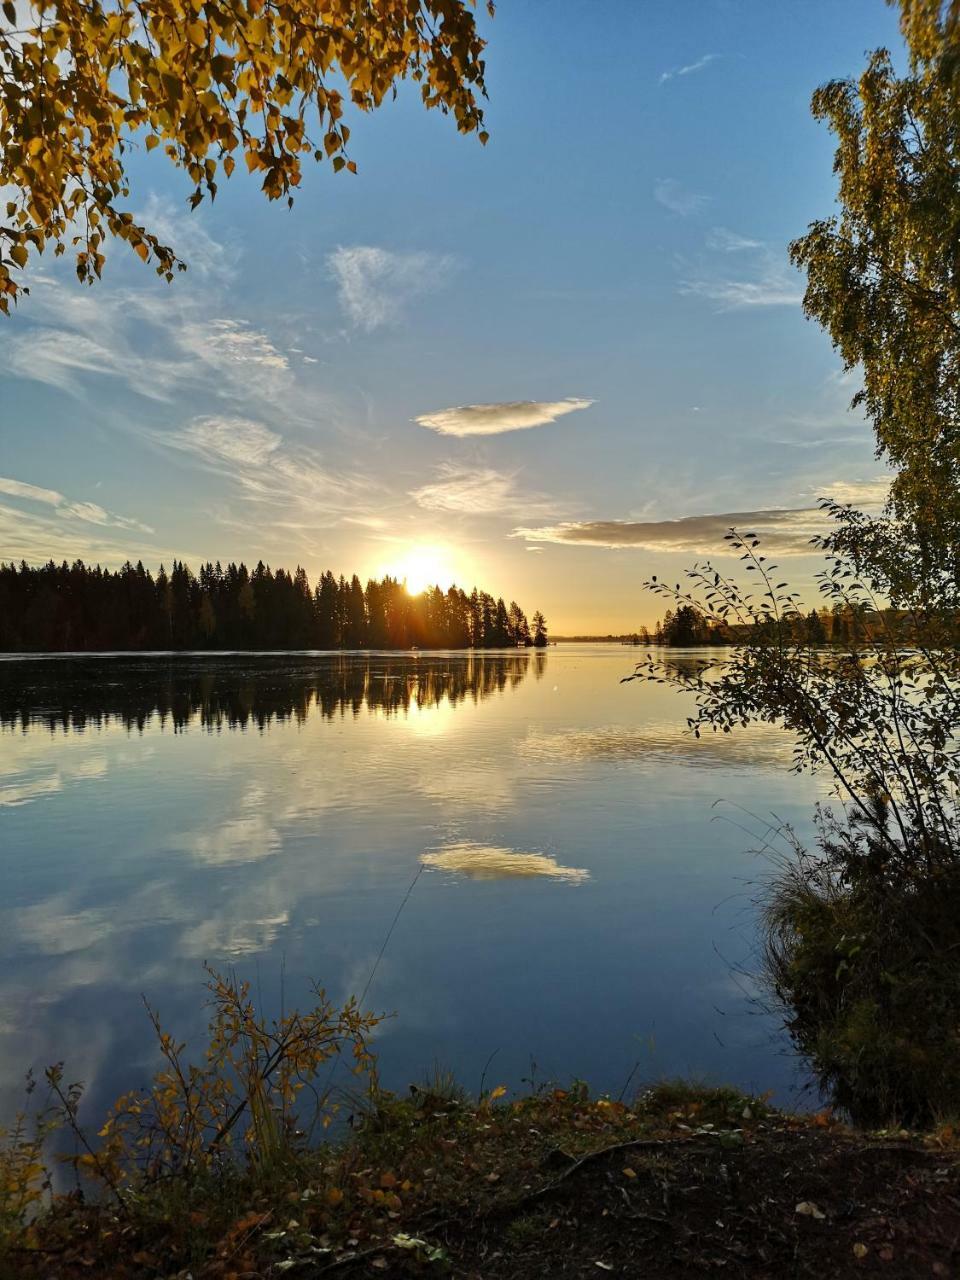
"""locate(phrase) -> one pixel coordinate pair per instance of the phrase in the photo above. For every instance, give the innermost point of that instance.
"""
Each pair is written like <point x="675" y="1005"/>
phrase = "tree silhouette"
<point x="58" y="608"/>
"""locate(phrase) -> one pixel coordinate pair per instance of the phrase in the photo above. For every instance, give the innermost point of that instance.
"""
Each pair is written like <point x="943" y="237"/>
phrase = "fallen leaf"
<point x="860" y="1250"/>
<point x="807" y="1209"/>
<point x="604" y="1266"/>
<point x="629" y="1173"/>
<point x="404" y="1241"/>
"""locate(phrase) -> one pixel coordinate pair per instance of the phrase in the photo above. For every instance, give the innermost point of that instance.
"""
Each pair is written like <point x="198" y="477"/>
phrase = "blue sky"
<point x="608" y="276"/>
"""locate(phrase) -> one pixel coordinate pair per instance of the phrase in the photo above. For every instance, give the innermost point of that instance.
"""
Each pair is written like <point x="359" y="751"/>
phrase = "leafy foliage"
<point x="875" y="715"/>
<point x="862" y="938"/>
<point x="868" y="978"/>
<point x="24" y="1179"/>
<point x="883" y="278"/>
<point x="241" y="1102"/>
<point x="210" y="82"/>
<point x="237" y="1119"/>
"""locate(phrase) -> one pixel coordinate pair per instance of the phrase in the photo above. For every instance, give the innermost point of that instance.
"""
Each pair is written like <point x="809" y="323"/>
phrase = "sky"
<point x="550" y="367"/>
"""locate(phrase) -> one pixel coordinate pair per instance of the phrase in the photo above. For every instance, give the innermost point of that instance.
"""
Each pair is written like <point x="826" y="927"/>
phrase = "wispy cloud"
<point x="657" y="742"/>
<point x="766" y="279"/>
<point x="493" y="419"/>
<point x="375" y="284"/>
<point x="236" y="441"/>
<point x="185" y="234"/>
<point x="40" y="535"/>
<point x="690" y="69"/>
<point x="32" y="492"/>
<point x="675" y="197"/>
<point x="725" y="241"/>
<point x="863" y="494"/>
<point x="159" y="347"/>
<point x="248" y="419"/>
<point x="234" y="341"/>
<point x="476" y="491"/>
<point x="785" y="530"/>
<point x="267" y="469"/>
<point x="86" y="512"/>
<point x="773" y="287"/>
<point x="158" y="342"/>
<point x="93" y="513"/>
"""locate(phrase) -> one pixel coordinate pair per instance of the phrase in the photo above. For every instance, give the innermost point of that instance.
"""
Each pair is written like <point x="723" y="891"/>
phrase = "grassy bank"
<point x="225" y="1170"/>
<point x="684" y="1181"/>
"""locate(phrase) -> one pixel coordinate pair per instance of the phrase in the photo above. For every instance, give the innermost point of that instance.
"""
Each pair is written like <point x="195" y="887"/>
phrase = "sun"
<point x="422" y="567"/>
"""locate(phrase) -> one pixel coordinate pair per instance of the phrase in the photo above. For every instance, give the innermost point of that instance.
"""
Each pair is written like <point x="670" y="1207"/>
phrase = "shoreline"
<point x="686" y="1180"/>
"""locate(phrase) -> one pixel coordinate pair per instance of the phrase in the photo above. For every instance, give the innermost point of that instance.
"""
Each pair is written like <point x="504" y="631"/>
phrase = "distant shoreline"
<point x="416" y="651"/>
<point x="624" y="639"/>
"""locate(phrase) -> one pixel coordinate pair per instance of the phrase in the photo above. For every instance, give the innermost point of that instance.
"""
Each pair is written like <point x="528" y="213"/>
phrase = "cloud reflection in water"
<point x="488" y="862"/>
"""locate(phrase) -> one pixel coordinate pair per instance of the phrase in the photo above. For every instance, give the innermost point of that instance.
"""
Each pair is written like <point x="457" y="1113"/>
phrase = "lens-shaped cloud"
<point x="783" y="530"/>
<point x="494" y="419"/>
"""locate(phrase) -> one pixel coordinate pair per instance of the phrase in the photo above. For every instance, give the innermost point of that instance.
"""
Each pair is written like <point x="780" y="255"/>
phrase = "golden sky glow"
<point x="425" y="565"/>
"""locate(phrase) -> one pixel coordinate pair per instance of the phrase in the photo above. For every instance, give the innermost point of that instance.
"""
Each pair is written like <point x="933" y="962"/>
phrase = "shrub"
<point x="240" y="1114"/>
<point x="869" y="981"/>
<point x="863" y="937"/>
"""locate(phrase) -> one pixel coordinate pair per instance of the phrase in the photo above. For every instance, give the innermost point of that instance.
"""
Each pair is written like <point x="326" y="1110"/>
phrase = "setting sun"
<point x="422" y="567"/>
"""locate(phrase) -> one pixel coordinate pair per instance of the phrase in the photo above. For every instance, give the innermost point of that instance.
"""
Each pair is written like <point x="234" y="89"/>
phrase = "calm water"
<point x="576" y="902"/>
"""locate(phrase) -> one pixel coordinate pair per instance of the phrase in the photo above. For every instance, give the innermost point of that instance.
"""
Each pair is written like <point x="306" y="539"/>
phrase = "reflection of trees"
<point x="689" y="664"/>
<point x="75" y="693"/>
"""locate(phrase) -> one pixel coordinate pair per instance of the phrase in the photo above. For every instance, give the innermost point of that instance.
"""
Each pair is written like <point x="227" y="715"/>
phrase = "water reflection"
<point x="665" y="742"/>
<point x="217" y="691"/>
<point x="557" y="831"/>
<point x="485" y="862"/>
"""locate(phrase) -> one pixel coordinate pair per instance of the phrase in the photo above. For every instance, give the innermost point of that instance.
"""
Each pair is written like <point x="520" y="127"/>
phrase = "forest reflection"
<point x="248" y="691"/>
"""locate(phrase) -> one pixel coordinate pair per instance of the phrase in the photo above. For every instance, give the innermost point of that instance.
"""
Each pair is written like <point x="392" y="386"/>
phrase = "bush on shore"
<point x="868" y="978"/>
<point x="863" y="937"/>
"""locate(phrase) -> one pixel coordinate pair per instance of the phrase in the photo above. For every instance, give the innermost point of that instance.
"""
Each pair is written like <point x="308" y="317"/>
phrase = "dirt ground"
<point x="684" y="1182"/>
<point x="794" y="1203"/>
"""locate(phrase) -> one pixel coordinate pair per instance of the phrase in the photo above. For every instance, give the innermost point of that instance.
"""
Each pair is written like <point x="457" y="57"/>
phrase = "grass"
<point x="407" y="1164"/>
<point x="221" y="1171"/>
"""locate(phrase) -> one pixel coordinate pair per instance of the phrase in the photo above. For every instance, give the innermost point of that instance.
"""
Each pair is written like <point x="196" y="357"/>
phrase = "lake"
<point x="573" y="901"/>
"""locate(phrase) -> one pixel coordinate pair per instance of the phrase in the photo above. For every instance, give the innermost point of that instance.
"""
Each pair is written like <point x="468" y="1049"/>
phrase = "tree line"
<point x="845" y="624"/>
<point x="79" y="608"/>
